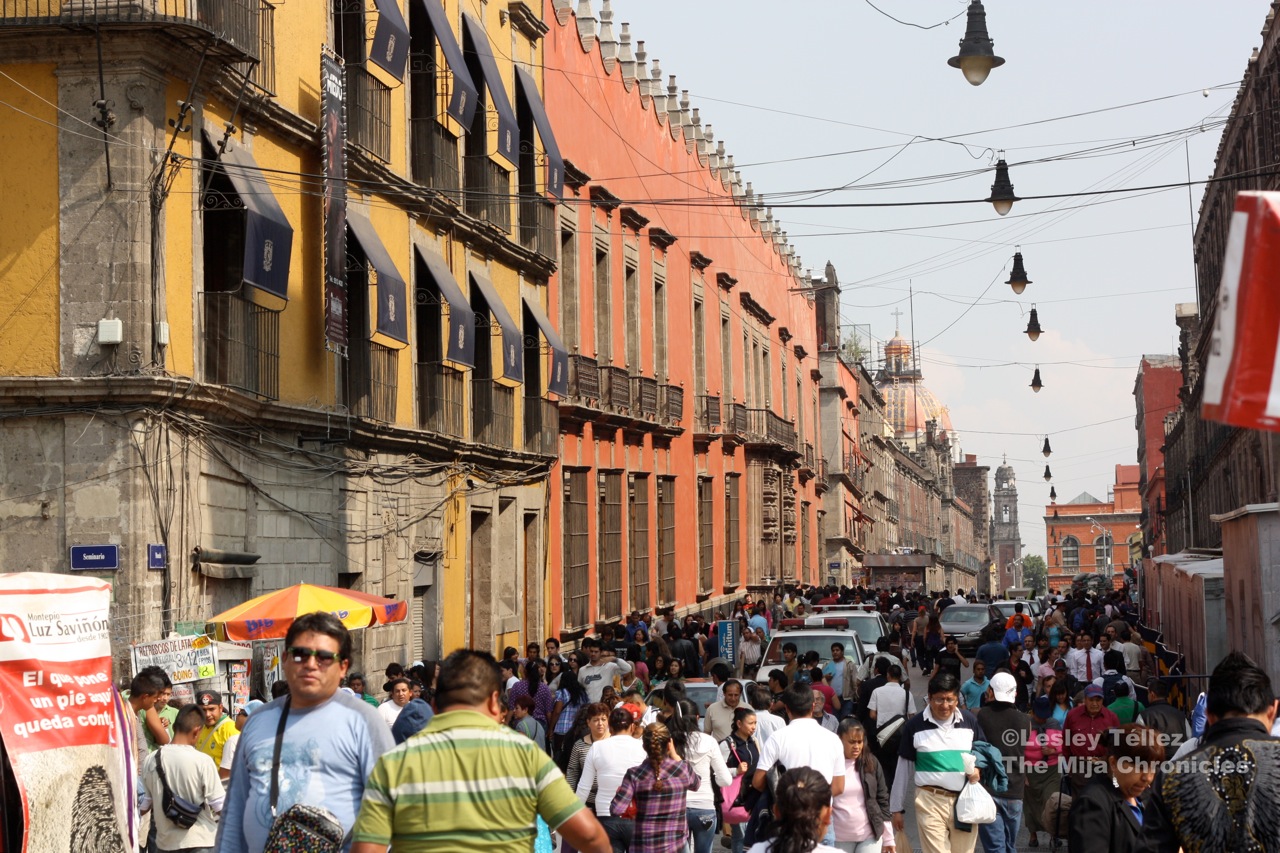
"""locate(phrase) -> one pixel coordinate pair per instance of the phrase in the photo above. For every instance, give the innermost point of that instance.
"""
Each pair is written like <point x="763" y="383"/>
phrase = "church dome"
<point x="909" y="405"/>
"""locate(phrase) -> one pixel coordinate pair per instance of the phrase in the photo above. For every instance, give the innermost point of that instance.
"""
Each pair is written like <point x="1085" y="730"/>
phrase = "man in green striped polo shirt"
<point x="931" y="765"/>
<point x="467" y="782"/>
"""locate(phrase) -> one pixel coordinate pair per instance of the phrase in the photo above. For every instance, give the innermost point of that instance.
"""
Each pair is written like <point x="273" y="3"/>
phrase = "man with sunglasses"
<point x="330" y="744"/>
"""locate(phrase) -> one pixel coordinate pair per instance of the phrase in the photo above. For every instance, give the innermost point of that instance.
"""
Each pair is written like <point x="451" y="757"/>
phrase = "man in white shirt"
<point x="803" y="743"/>
<point x="767" y="723"/>
<point x="603" y="667"/>
<point x="891" y="699"/>
<point x="192" y="776"/>
<point x="1084" y="661"/>
<point x="607" y="762"/>
<point x="401" y="693"/>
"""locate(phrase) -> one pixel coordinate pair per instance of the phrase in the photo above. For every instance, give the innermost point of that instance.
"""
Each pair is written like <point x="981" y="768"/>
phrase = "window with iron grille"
<point x="631" y="293"/>
<point x="732" y="529"/>
<point x="577" y="560"/>
<point x="604" y="306"/>
<point x="262" y="73"/>
<point x="666" y="540"/>
<point x="699" y="350"/>
<point x="370" y="375"/>
<point x="434" y="150"/>
<point x="659" y="324"/>
<point x="1071" y="553"/>
<point x="638" y="543"/>
<point x="610" y="540"/>
<point x="726" y="359"/>
<point x="568" y="270"/>
<point x="706" y="535"/>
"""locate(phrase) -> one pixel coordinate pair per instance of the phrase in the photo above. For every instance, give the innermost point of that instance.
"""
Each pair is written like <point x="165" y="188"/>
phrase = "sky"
<point x="813" y="95"/>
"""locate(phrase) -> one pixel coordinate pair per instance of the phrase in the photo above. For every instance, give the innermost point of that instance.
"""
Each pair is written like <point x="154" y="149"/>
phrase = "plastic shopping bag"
<point x="975" y="805"/>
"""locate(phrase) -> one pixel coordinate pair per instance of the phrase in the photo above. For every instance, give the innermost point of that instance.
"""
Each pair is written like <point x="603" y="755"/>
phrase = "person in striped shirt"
<point x="467" y="782"/>
<point x="931" y="763"/>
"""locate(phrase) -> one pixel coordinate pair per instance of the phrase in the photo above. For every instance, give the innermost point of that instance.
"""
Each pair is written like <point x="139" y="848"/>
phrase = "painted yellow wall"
<point x="29" y="284"/>
<point x="300" y="30"/>
<point x="454" y="608"/>
<point x="181" y="307"/>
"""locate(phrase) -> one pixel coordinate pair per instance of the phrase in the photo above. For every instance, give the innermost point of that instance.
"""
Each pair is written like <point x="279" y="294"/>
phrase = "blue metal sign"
<point x="95" y="558"/>
<point x="157" y="555"/>
<point x="727" y="641"/>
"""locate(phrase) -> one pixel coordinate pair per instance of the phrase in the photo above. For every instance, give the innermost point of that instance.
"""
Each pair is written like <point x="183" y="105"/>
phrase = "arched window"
<point x="1100" y="555"/>
<point x="1071" y="553"/>
<point x="1005" y="512"/>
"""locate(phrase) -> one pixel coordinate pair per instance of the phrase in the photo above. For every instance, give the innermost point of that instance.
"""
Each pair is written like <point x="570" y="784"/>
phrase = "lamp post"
<point x="1009" y="570"/>
<point x="1107" y="541"/>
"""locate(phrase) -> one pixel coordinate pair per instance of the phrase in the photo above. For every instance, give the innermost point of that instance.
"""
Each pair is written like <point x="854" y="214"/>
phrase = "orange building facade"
<point x="1087" y="534"/>
<point x="687" y="468"/>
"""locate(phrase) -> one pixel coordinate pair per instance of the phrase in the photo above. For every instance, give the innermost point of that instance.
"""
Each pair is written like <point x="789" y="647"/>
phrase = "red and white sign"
<point x="1242" y="378"/>
<point x="58" y="707"/>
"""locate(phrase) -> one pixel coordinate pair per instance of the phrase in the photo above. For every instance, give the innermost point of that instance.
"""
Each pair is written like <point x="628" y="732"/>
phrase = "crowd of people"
<point x="602" y="747"/>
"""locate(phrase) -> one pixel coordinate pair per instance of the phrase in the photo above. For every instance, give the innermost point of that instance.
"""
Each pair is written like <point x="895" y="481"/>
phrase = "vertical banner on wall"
<point x="333" y="141"/>
<point x="59" y="720"/>
<point x="727" y="640"/>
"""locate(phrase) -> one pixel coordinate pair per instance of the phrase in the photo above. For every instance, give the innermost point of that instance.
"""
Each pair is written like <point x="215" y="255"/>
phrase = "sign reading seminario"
<point x="89" y="558"/>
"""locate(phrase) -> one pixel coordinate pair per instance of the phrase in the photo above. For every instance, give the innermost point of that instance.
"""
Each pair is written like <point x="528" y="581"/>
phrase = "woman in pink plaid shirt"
<point x="654" y="794"/>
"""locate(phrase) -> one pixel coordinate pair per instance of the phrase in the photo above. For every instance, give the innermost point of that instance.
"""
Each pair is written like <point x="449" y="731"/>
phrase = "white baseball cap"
<point x="1004" y="687"/>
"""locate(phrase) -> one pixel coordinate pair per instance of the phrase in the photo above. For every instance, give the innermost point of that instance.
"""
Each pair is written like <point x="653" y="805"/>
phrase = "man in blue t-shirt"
<point x="331" y="740"/>
<point x="975" y="688"/>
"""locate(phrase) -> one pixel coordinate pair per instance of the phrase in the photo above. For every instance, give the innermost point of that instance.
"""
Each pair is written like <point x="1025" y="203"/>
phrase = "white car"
<point x="818" y="638"/>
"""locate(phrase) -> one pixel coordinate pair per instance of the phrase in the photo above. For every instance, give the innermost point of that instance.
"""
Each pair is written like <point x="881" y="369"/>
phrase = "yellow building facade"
<point x="263" y="323"/>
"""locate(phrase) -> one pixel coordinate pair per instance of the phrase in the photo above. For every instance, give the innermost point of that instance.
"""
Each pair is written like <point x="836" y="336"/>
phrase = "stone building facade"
<point x="1006" y="537"/>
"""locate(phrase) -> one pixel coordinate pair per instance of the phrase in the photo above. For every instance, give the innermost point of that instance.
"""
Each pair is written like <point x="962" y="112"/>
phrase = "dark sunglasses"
<point x="301" y="653"/>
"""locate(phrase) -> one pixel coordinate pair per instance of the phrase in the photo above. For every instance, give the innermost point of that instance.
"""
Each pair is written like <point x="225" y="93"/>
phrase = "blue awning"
<point x="512" y="340"/>
<point x="558" y="380"/>
<point x="390" y="48"/>
<point x="390" y="315"/>
<point x="460" y="349"/>
<point x="462" y="103"/>
<point x="268" y="236"/>
<point x="508" y="128"/>
<point x="528" y="91"/>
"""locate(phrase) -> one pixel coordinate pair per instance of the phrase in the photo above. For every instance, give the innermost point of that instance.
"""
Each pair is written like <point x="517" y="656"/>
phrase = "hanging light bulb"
<point x="1002" y="197"/>
<point x="1033" y="325"/>
<point x="1036" y="384"/>
<point x="977" y="55"/>
<point x="1047" y="450"/>
<point x="1048" y="475"/>
<point x="1053" y="493"/>
<point x="1018" y="278"/>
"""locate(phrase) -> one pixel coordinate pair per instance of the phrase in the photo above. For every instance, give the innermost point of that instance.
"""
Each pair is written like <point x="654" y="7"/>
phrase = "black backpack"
<point x="1109" y="683"/>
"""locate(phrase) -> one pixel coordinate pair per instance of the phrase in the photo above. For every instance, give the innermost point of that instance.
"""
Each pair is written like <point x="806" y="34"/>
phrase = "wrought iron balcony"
<point x="617" y="388"/>
<point x="584" y="378"/>
<point x="241" y="345"/>
<point x="234" y="24"/>
<point x="369" y="112"/>
<point x="644" y="395"/>
<point x="538" y="225"/>
<point x="541" y="426"/>
<point x="706" y="414"/>
<point x="487" y="190"/>
<point x="442" y="399"/>
<point x="673" y="404"/>
<point x="435" y="157"/>
<point x="735" y="420"/>
<point x="372" y="381"/>
<point x="891" y="510"/>
<point x="493" y="413"/>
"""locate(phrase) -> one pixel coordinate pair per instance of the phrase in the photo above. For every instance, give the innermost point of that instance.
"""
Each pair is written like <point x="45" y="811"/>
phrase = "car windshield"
<point x="701" y="694"/>
<point x="809" y="641"/>
<point x="866" y="624"/>
<point x="966" y="616"/>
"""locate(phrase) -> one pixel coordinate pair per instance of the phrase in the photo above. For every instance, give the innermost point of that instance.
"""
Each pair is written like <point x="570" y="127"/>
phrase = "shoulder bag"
<point x="182" y="812"/>
<point x="301" y="828"/>
<point x="894" y="724"/>
<point x="732" y="810"/>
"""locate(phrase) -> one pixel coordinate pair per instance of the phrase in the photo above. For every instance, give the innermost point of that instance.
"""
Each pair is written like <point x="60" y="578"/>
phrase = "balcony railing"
<point x="538" y="225"/>
<point x="241" y="345"/>
<point x="488" y="190"/>
<point x="369" y="112"/>
<point x="493" y="413"/>
<point x="706" y="414"/>
<point x="234" y="23"/>
<point x="541" y="426"/>
<point x="780" y="431"/>
<point x="617" y="387"/>
<point x="673" y="404"/>
<point x="372" y="381"/>
<point x="735" y="419"/>
<point x="435" y="157"/>
<point x="891" y="510"/>
<point x="808" y="456"/>
<point x="644" y="395"/>
<point x="584" y="378"/>
<point x="442" y="399"/>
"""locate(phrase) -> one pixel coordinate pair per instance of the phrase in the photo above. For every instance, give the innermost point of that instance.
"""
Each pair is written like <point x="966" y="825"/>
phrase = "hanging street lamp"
<point x="1047" y="450"/>
<point x="1018" y="278"/>
<point x="1036" y="384"/>
<point x="1033" y="327"/>
<point x="1053" y="493"/>
<point x="977" y="51"/>
<point x="1048" y="475"/>
<point x="1002" y="196"/>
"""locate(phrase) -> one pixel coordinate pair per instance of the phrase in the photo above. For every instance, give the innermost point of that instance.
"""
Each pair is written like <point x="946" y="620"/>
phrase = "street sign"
<point x="834" y="564"/>
<point x="95" y="558"/>
<point x="156" y="556"/>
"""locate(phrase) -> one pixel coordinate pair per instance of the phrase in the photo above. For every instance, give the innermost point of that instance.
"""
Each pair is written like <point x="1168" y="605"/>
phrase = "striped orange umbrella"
<point x="269" y="616"/>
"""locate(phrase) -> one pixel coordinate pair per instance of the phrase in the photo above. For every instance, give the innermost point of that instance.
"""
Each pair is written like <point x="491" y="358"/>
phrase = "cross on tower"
<point x="897" y="314"/>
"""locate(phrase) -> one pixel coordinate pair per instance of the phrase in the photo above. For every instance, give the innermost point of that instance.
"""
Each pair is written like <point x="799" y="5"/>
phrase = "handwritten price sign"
<point x="185" y="659"/>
